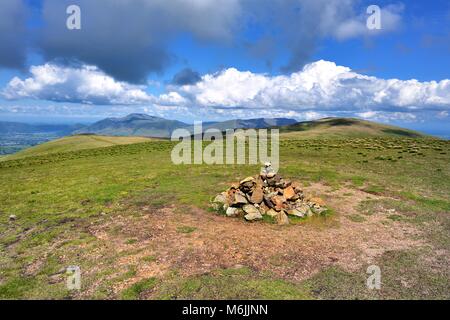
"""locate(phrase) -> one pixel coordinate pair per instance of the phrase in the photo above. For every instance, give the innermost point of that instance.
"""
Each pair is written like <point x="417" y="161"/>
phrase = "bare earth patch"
<point x="294" y="252"/>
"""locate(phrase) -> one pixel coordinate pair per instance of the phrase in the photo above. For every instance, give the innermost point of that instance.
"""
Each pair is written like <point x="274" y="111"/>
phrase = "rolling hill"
<point x="327" y="128"/>
<point x="344" y="128"/>
<point x="74" y="143"/>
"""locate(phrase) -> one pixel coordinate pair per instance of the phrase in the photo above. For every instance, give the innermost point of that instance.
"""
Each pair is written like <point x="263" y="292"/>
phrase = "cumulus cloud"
<point x="12" y="33"/>
<point x="320" y="89"/>
<point x="86" y="84"/>
<point x="319" y="86"/>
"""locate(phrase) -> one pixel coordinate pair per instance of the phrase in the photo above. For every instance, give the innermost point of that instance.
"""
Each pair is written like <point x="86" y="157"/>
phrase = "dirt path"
<point x="294" y="252"/>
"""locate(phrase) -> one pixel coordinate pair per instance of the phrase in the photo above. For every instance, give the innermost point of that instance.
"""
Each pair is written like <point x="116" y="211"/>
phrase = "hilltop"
<point x="345" y="128"/>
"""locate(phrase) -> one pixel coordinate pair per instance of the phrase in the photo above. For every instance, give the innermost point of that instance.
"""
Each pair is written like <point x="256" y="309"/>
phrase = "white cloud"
<point x="387" y="116"/>
<point x="320" y="89"/>
<point x="356" y="26"/>
<point x="321" y="85"/>
<point x="86" y="84"/>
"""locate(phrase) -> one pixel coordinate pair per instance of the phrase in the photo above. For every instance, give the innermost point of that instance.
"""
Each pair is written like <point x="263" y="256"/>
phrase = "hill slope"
<point x="345" y="128"/>
<point x="74" y="143"/>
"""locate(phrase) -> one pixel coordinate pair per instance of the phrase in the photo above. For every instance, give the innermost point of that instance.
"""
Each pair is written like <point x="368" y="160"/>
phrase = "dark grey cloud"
<point x="185" y="77"/>
<point x="129" y="38"/>
<point x="12" y="33"/>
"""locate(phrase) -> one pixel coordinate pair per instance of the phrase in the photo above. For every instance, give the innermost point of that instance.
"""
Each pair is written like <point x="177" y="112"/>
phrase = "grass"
<point x="233" y="283"/>
<point x="134" y="292"/>
<point x="356" y="218"/>
<point x="57" y="197"/>
<point x="186" y="229"/>
<point x="74" y="143"/>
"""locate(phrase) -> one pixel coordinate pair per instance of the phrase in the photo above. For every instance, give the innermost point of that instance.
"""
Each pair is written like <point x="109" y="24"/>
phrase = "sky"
<point x="222" y="59"/>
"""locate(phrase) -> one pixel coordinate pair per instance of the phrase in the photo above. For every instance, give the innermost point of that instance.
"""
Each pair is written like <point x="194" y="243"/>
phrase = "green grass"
<point x="234" y="283"/>
<point x="134" y="292"/>
<point x="74" y="143"/>
<point x="340" y="128"/>
<point x="356" y="218"/>
<point x="404" y="275"/>
<point x="186" y="229"/>
<point x="57" y="197"/>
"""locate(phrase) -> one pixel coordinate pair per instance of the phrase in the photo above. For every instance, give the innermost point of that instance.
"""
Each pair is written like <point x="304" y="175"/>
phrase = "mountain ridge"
<point x="138" y="124"/>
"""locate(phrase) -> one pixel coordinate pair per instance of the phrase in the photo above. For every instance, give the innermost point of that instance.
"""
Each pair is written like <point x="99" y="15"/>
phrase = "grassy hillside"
<point x="74" y="143"/>
<point x="140" y="228"/>
<point x="344" y="128"/>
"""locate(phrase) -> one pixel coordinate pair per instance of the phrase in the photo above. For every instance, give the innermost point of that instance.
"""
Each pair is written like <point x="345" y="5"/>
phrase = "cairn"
<point x="267" y="194"/>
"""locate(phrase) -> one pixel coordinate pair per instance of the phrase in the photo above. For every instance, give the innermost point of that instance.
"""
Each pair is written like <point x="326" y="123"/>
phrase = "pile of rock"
<point x="267" y="194"/>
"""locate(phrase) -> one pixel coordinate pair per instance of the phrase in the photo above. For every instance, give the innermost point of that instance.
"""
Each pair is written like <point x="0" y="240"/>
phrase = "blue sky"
<point x="215" y="60"/>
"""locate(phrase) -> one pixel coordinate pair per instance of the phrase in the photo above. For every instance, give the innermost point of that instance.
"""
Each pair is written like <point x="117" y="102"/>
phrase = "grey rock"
<point x="304" y="209"/>
<point x="232" y="212"/>
<point x="252" y="213"/>
<point x="296" y="213"/>
<point x="220" y="198"/>
<point x="282" y="218"/>
<point x="272" y="213"/>
<point x="239" y="198"/>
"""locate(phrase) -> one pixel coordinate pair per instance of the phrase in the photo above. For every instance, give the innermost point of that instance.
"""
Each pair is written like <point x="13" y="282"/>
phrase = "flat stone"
<point x="12" y="217"/>
<point x="317" y="201"/>
<point x="289" y="193"/>
<point x="252" y="213"/>
<point x="279" y="202"/>
<point x="282" y="218"/>
<point x="248" y="179"/>
<point x="257" y="195"/>
<point x="272" y="213"/>
<point x="232" y="212"/>
<point x="296" y="213"/>
<point x="304" y="209"/>
<point x="239" y="198"/>
<point x="221" y="198"/>
<point x="263" y="208"/>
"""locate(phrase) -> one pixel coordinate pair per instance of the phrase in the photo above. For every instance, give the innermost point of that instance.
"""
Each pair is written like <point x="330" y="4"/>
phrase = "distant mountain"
<point x="24" y="128"/>
<point x="135" y="124"/>
<point x="258" y="123"/>
<point x="149" y="126"/>
<point x="345" y="127"/>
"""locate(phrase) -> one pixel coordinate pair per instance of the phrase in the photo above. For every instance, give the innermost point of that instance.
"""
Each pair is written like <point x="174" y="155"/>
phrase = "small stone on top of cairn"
<point x="267" y="194"/>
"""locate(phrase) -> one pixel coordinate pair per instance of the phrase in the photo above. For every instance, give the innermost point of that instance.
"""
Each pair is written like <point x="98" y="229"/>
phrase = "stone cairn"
<point x="267" y="194"/>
